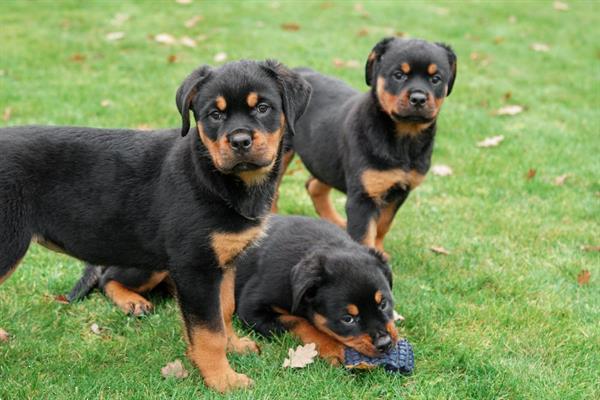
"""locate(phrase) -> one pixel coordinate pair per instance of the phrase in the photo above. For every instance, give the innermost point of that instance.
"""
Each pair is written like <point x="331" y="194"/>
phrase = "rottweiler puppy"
<point x="375" y="146"/>
<point x="185" y="201"/>
<point x="306" y="276"/>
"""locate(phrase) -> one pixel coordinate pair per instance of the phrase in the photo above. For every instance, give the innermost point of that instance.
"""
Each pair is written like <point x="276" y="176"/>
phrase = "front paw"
<point x="228" y="381"/>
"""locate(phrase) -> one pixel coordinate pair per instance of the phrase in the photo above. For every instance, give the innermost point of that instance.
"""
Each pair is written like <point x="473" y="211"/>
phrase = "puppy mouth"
<point x="246" y="165"/>
<point x="413" y="119"/>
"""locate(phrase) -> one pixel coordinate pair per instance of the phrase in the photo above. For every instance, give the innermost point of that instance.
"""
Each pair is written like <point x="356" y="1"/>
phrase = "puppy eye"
<point x="349" y="319"/>
<point x="383" y="304"/>
<point x="262" y="108"/>
<point x="399" y="75"/>
<point x="216" y="115"/>
<point x="436" y="79"/>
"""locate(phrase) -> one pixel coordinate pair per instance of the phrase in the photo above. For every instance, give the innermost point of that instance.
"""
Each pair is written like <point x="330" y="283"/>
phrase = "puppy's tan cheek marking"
<point x="390" y="327"/>
<point x="361" y="343"/>
<point x="252" y="99"/>
<point x="214" y="148"/>
<point x="221" y="103"/>
<point x="228" y="245"/>
<point x="405" y="67"/>
<point x="387" y="100"/>
<point x="378" y="297"/>
<point x="352" y="309"/>
<point x="432" y="69"/>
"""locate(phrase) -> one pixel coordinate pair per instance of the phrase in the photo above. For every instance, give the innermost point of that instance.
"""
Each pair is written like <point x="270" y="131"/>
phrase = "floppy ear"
<point x="185" y="93"/>
<point x="452" y="62"/>
<point x="305" y="276"/>
<point x="382" y="264"/>
<point x="295" y="91"/>
<point x="374" y="58"/>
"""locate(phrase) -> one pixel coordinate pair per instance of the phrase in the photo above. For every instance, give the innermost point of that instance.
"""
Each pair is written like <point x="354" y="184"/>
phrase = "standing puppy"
<point x="159" y="202"/>
<point x="376" y="146"/>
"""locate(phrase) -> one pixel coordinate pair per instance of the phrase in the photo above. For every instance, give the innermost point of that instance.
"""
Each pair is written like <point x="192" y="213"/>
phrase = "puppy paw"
<point x="242" y="345"/>
<point x="228" y="381"/>
<point x="138" y="308"/>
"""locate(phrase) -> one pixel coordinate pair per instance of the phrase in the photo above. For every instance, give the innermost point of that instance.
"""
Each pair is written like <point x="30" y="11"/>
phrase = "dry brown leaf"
<point x="439" y="250"/>
<point x="165" y="38"/>
<point x="174" y="369"/>
<point x="77" y="57"/>
<point x="220" y="57"/>
<point x="120" y="19"/>
<point x="6" y="114"/>
<point x="560" y="180"/>
<point x="172" y="59"/>
<point x="187" y="41"/>
<point x="512" y="19"/>
<point x="398" y="317"/>
<point x="326" y="5"/>
<point x="106" y="103"/>
<point x="338" y="63"/>
<point x="498" y="39"/>
<point x="113" y="36"/>
<point x="290" y="26"/>
<point x="301" y="357"/>
<point x="491" y="141"/>
<point x="512" y="109"/>
<point x="583" y="278"/>
<point x="183" y="1"/>
<point x="4" y="336"/>
<point x="360" y="9"/>
<point x="190" y="23"/>
<point x="144" y="127"/>
<point x="560" y="6"/>
<point x="61" y="298"/>
<point x="441" y="170"/>
<point x="507" y="96"/>
<point x="590" y="248"/>
<point x="531" y="174"/>
<point x="541" y="47"/>
<point x="363" y="32"/>
<point x="441" y="11"/>
<point x="95" y="329"/>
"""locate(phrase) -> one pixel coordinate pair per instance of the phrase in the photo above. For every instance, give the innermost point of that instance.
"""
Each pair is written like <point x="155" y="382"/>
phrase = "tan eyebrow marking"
<point x="432" y="69"/>
<point x="221" y="103"/>
<point x="352" y="309"/>
<point x="252" y="99"/>
<point x="405" y="68"/>
<point x="378" y="297"/>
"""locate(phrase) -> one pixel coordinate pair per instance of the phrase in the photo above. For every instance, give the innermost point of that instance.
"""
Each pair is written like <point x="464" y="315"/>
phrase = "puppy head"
<point x="411" y="78"/>
<point x="242" y="110"/>
<point x="347" y="295"/>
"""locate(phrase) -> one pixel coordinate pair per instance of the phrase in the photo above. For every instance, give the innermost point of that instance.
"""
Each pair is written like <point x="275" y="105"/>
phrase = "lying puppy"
<point x="375" y="146"/>
<point x="311" y="278"/>
<point x="159" y="202"/>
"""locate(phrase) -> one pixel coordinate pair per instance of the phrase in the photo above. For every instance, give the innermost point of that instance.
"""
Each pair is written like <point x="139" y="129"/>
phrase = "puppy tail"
<point x="88" y="281"/>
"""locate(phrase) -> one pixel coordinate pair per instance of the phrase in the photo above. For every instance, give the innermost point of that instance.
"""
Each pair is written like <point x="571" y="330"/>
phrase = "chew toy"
<point x="399" y="359"/>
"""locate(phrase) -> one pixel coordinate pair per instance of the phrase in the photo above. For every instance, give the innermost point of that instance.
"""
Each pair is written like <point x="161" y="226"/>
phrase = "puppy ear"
<point x="185" y="93"/>
<point x="305" y="276"/>
<point x="374" y="58"/>
<point x="295" y="91"/>
<point x="452" y="61"/>
<point x="382" y="264"/>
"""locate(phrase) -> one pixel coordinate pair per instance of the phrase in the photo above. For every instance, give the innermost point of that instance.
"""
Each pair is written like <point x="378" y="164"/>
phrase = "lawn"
<point x="501" y="316"/>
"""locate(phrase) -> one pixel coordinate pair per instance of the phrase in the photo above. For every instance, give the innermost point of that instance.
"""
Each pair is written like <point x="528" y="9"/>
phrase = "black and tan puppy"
<point x="159" y="202"/>
<point x="309" y="277"/>
<point x="375" y="146"/>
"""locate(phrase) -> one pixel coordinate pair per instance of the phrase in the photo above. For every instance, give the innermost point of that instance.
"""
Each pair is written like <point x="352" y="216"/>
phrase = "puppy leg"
<point x="126" y="299"/>
<point x="319" y="194"/>
<point x="286" y="159"/>
<point x="199" y="295"/>
<point x="328" y="348"/>
<point x="234" y="342"/>
<point x="362" y="219"/>
<point x="14" y="239"/>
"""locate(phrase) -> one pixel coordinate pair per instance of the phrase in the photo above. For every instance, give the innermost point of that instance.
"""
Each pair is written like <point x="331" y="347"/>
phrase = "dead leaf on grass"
<point x="106" y="103"/>
<point x="491" y="141"/>
<point x="511" y="109"/>
<point x="540" y="47"/>
<point x="183" y="1"/>
<point x="507" y="96"/>
<point x="439" y="250"/>
<point x="512" y="19"/>
<point x="190" y="23"/>
<point x="220" y="57"/>
<point x="95" y="329"/>
<point x="590" y="248"/>
<point x="290" y="26"/>
<point x="174" y="369"/>
<point x="77" y="57"/>
<point x="6" y="114"/>
<point x="531" y="174"/>
<point x="583" y="278"/>
<point x="363" y="32"/>
<point x="339" y="63"/>
<point x="187" y="41"/>
<point x="172" y="59"/>
<point x="441" y="170"/>
<point x="4" y="336"/>
<point x="165" y="38"/>
<point x="560" y="6"/>
<point x="398" y="317"/>
<point x="61" y="298"/>
<point x="360" y="9"/>
<point x="120" y="19"/>
<point x="301" y="357"/>
<point x="114" y="36"/>
<point x="144" y="127"/>
<point x="560" y="180"/>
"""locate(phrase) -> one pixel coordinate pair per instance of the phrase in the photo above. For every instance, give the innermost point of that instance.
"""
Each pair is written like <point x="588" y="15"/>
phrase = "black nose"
<point x="417" y="99"/>
<point x="383" y="343"/>
<point x="240" y="141"/>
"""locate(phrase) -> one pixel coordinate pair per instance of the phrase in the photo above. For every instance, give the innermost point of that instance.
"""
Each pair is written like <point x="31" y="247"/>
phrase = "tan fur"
<point x="378" y="296"/>
<point x="370" y="234"/>
<point x="388" y="101"/>
<point x="228" y="245"/>
<point x="432" y="69"/>
<point x="214" y="148"/>
<point x="286" y="159"/>
<point x="390" y="327"/>
<point x="405" y="67"/>
<point x="411" y="129"/>
<point x="126" y="299"/>
<point x="155" y="279"/>
<point x="352" y="309"/>
<point x="221" y="103"/>
<point x="252" y="99"/>
<point x="377" y="183"/>
<point x="319" y="194"/>
<point x="384" y="222"/>
<point x="47" y="244"/>
<point x="361" y="343"/>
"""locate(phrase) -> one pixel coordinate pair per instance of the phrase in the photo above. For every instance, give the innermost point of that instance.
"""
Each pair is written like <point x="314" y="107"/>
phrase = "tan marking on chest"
<point x="378" y="183"/>
<point x="228" y="245"/>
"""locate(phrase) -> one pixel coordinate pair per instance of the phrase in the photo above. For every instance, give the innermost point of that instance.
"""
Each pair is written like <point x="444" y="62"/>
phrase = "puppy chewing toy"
<point x="399" y="359"/>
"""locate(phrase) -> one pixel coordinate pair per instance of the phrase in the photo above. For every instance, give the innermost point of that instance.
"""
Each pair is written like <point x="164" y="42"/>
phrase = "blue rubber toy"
<point x="400" y="359"/>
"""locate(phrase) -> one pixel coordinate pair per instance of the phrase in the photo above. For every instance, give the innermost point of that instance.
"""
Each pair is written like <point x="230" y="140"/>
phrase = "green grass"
<point x="501" y="317"/>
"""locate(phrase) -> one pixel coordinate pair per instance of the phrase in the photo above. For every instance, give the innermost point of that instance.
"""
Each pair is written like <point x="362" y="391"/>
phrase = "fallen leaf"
<point x="512" y="19"/>
<point x="290" y="26"/>
<point x="274" y="5"/>
<point x="338" y="63"/>
<point x="105" y="103"/>
<point x="183" y="1"/>
<point x="174" y="369"/>
<point x="560" y="6"/>
<point x="398" y="317"/>
<point x="441" y="11"/>
<point x="172" y="59"/>
<point x="120" y="19"/>
<point x="165" y="38"/>
<point x="363" y="32"/>
<point x="531" y="173"/>
<point x="190" y="23"/>
<point x="77" y="57"/>
<point x="326" y="5"/>
<point x="95" y="329"/>
<point x="441" y="170"/>
<point x="113" y="36"/>
<point x="512" y="109"/>
<point x="583" y="278"/>
<point x="144" y="127"/>
<point x="491" y="141"/>
<point x="439" y="250"/>
<point x="187" y="41"/>
<point x="6" y="114"/>
<point x="541" y="47"/>
<point x="61" y="298"/>
<point x="590" y="248"/>
<point x="360" y="9"/>
<point x="474" y="56"/>
<point x="498" y="39"/>
<point x="560" y="180"/>
<point x="220" y="57"/>
<point x="301" y="357"/>
<point x="2" y="72"/>
<point x="4" y="336"/>
<point x="507" y="96"/>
